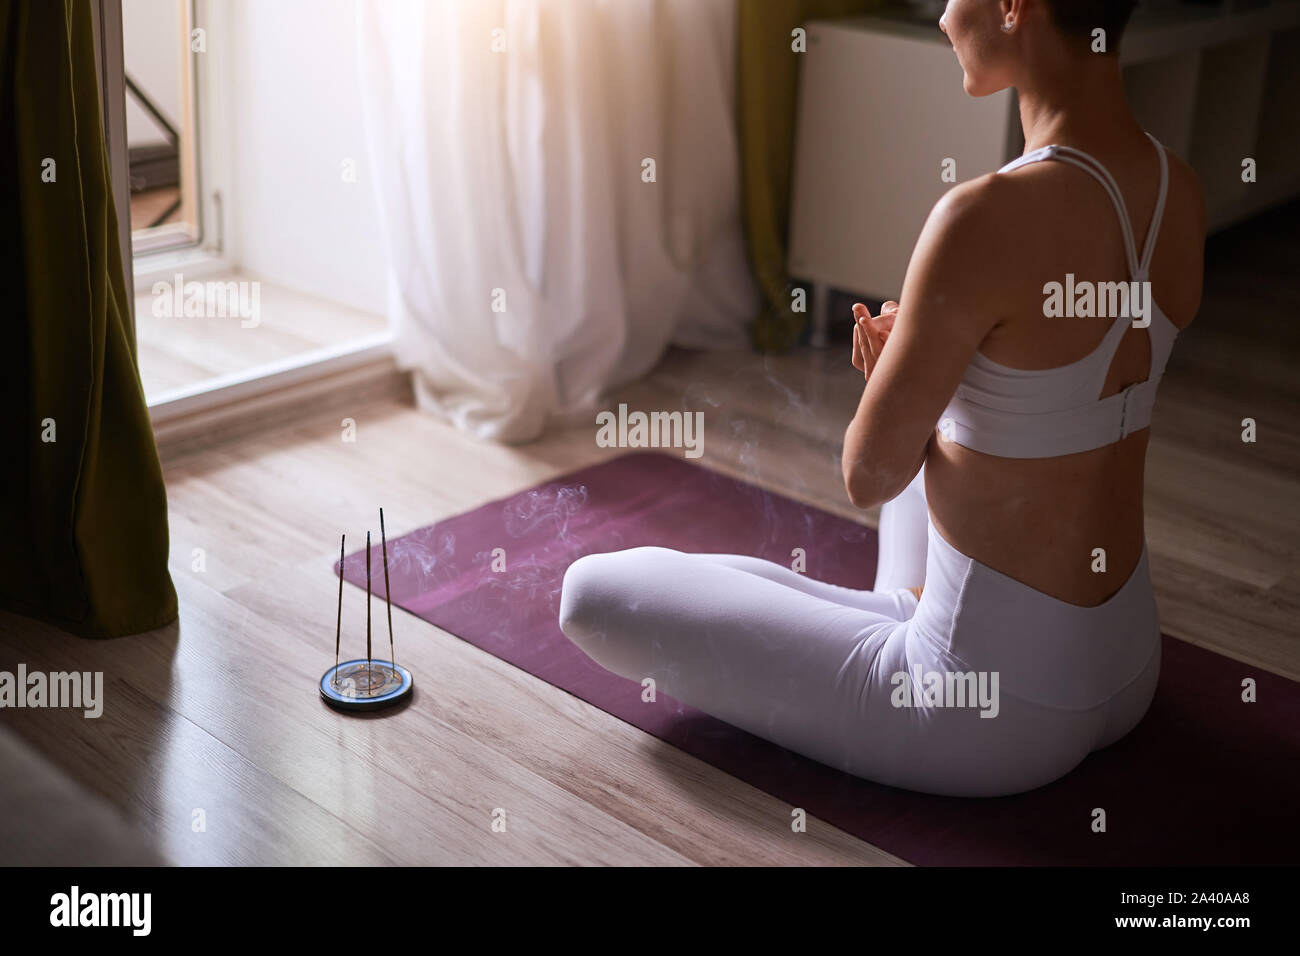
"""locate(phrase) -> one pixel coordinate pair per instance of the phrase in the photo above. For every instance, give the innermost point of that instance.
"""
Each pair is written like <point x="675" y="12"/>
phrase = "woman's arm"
<point x="951" y="299"/>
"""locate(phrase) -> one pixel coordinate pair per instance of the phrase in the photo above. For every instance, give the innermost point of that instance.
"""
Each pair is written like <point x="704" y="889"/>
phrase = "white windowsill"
<point x="310" y="384"/>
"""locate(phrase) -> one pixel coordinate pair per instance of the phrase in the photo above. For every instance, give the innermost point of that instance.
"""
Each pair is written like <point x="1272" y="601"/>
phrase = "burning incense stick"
<point x="383" y="543"/>
<point x="367" y="606"/>
<point x="338" y="627"/>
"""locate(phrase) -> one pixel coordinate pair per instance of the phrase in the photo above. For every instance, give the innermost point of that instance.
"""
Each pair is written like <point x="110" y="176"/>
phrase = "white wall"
<point x="294" y="109"/>
<point x="152" y="44"/>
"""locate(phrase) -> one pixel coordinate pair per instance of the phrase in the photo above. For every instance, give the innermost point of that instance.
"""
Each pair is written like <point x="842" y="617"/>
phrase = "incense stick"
<point x="338" y="627"/>
<point x="383" y="543"/>
<point x="367" y="607"/>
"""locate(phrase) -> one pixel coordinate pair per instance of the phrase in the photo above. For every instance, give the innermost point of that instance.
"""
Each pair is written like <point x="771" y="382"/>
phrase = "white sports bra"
<point x="1020" y="413"/>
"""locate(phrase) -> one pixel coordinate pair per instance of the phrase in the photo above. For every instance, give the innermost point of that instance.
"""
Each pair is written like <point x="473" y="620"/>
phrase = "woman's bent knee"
<point x="579" y="596"/>
<point x="598" y="587"/>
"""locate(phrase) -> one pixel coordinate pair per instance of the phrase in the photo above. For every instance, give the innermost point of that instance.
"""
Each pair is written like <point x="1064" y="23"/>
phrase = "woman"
<point x="1012" y="629"/>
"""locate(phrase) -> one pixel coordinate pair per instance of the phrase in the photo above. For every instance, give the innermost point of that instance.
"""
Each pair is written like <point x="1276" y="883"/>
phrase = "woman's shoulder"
<point x="1177" y="269"/>
<point x="990" y="214"/>
<point x="980" y="229"/>
<point x="981" y="198"/>
<point x="975" y="212"/>
<point x="1034" y="190"/>
<point x="1185" y="204"/>
<point x="1030" y="204"/>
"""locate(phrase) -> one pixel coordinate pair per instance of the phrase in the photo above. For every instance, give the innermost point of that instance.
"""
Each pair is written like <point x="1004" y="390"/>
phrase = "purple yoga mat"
<point x="1204" y="779"/>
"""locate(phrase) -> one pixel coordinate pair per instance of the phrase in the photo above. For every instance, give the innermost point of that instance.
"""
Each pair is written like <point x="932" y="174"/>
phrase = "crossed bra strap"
<point x="1138" y="268"/>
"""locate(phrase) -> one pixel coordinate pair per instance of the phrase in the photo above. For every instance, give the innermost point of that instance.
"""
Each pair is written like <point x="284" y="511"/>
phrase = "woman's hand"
<point x="870" y="334"/>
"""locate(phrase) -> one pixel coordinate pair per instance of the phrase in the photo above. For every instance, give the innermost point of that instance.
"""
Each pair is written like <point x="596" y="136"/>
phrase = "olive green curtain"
<point x="83" y="532"/>
<point x="767" y="84"/>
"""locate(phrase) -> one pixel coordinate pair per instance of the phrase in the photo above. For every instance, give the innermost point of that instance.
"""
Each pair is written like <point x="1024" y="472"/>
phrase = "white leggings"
<point x="983" y="687"/>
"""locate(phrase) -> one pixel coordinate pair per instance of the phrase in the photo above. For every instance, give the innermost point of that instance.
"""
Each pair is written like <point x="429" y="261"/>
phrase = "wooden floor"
<point x="221" y="713"/>
<point x="148" y="206"/>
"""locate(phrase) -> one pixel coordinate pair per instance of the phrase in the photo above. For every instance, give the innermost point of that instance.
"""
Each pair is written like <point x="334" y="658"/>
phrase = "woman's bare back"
<point x="1040" y="521"/>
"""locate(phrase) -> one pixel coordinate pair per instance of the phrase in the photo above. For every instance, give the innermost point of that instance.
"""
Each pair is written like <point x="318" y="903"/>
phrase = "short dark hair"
<point x="1078" y="18"/>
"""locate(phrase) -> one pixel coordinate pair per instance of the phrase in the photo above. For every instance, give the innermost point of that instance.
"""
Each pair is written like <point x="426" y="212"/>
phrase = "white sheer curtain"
<point x="514" y="178"/>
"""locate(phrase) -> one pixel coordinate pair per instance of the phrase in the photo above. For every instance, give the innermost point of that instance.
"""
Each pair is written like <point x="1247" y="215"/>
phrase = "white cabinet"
<point x="882" y="110"/>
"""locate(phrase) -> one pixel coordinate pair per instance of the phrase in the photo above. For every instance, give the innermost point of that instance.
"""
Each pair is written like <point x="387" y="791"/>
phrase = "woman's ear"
<point x="1012" y="12"/>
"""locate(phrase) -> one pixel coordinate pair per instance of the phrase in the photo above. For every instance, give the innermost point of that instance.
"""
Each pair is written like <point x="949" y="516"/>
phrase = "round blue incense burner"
<point x="365" y="684"/>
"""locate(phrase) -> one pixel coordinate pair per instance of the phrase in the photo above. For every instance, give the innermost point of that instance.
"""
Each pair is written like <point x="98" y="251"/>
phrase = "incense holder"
<point x="365" y="685"/>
